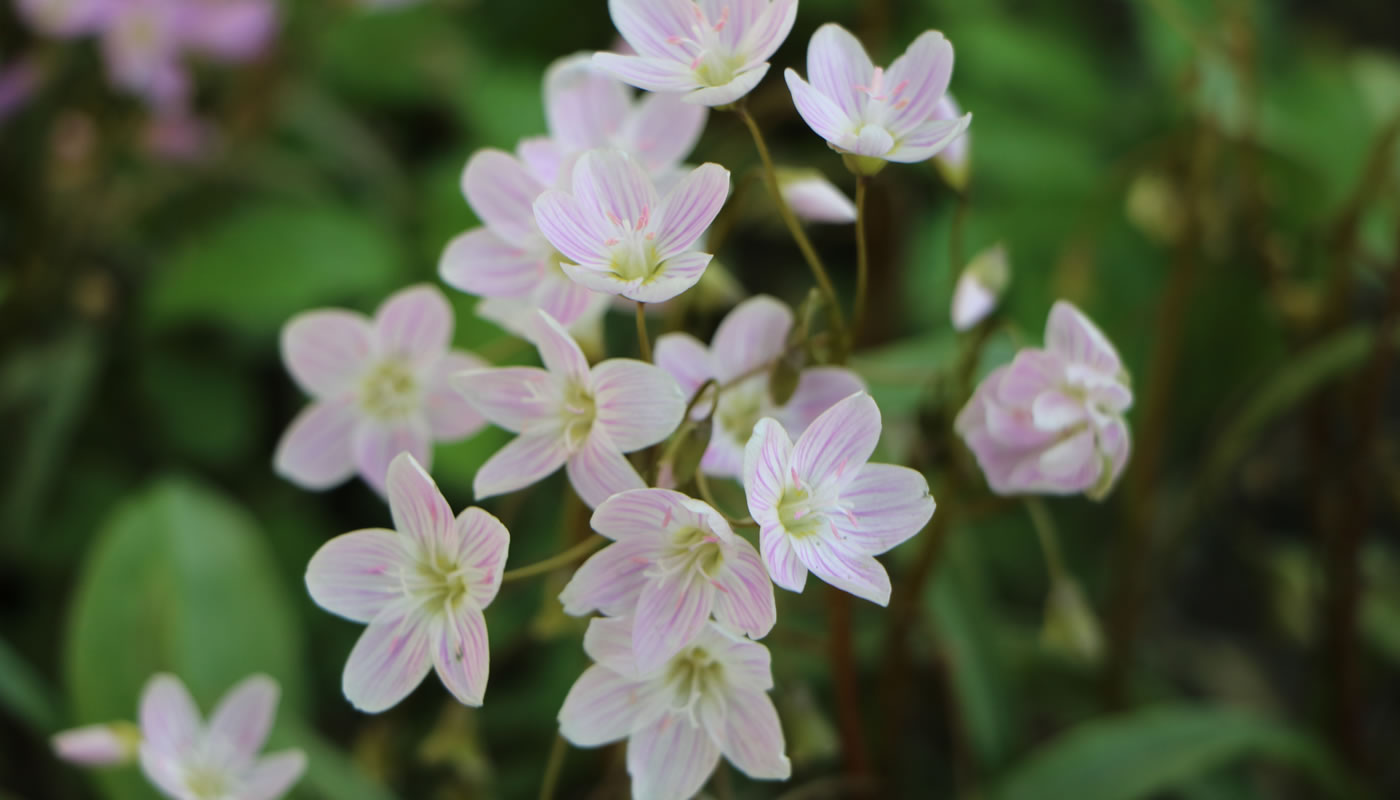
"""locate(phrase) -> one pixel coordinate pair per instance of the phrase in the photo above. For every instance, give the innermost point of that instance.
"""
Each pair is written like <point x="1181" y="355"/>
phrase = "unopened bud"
<point x="980" y="287"/>
<point x="1071" y="629"/>
<point x="783" y="377"/>
<point x="109" y="745"/>
<point x="689" y="448"/>
<point x="814" y="198"/>
<point x="954" y="162"/>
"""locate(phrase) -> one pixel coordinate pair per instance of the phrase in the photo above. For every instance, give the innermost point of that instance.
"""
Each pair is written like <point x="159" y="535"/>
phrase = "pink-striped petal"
<point x="376" y="445"/>
<point x="786" y="569"/>
<point x="648" y="25"/>
<point x="843" y="567"/>
<point x="566" y="301"/>
<point x="511" y="397"/>
<point x="747" y="665"/>
<point x="674" y="276"/>
<point x="273" y="775"/>
<point x="601" y="707"/>
<point x="390" y="659"/>
<point x="414" y="322"/>
<point x="502" y="192"/>
<point x="670" y="758"/>
<point x="766" y="33"/>
<point x="818" y="389"/>
<point x="612" y="579"/>
<point x="684" y="358"/>
<point x="356" y="575"/>
<point x="169" y="719"/>
<point x="638" y="404"/>
<point x="924" y="72"/>
<point x="670" y="612"/>
<point x="838" y="66"/>
<point x="751" y="336"/>
<point x="544" y="157"/>
<point x="527" y="459"/>
<point x="560" y="353"/>
<point x="652" y="74"/>
<point x="742" y="83"/>
<point x="928" y="140"/>
<point x="419" y="510"/>
<point x="1069" y="333"/>
<point x="744" y="597"/>
<point x="820" y="112"/>
<point x="462" y="655"/>
<point x="166" y="771"/>
<point x="838" y="442"/>
<point x="244" y="717"/>
<point x="643" y="514"/>
<point x="888" y="504"/>
<point x="816" y="199"/>
<point x="483" y="544"/>
<point x="599" y="470"/>
<point x="583" y="107"/>
<point x="766" y="458"/>
<point x="873" y="140"/>
<point x="315" y="452"/>
<point x="326" y="351"/>
<point x="480" y="262"/>
<point x="690" y="208"/>
<point x="610" y="185"/>
<point x="753" y="736"/>
<point x="449" y="414"/>
<point x="608" y="641"/>
<point x="1054" y="411"/>
<point x="570" y="227"/>
<point x="663" y="129"/>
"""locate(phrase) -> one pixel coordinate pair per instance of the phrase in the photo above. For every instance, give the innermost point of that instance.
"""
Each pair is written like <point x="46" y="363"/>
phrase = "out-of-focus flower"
<point x="19" y="81"/>
<point x="106" y="745"/>
<point x="954" y="162"/>
<point x="872" y="115"/>
<point x="587" y="109"/>
<point x="569" y="415"/>
<point x="821" y="507"/>
<point x="379" y="388"/>
<point x="716" y="52"/>
<point x="509" y="258"/>
<point x="980" y="287"/>
<point x="179" y="136"/>
<point x="673" y="561"/>
<point x="1051" y="421"/>
<point x="65" y="18"/>
<point x="746" y="343"/>
<point x="421" y="589"/>
<point x="711" y="699"/>
<point x="814" y="198"/>
<point x="623" y="237"/>
<point x="228" y="30"/>
<point x="141" y="42"/>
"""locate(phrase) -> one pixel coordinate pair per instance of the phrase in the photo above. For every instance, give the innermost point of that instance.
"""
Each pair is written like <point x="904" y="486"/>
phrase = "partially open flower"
<point x="980" y="287"/>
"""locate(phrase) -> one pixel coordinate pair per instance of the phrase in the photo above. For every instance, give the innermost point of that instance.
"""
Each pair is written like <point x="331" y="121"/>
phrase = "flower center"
<point x="880" y="93"/>
<point x="711" y="59"/>
<point x="578" y="410"/>
<point x="633" y="247"/>
<point x="691" y="675"/>
<point x="389" y="391"/>
<point x="798" y="513"/>
<point x="438" y="582"/>
<point x="207" y="783"/>
<point x="693" y="550"/>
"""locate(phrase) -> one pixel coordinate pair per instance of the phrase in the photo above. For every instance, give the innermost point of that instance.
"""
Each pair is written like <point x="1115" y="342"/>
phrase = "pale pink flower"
<point x="572" y="416"/>
<point x="980" y="287"/>
<point x="821" y="507"/>
<point x="744" y="346"/>
<point x="714" y="50"/>
<point x="814" y="198"/>
<point x="868" y="112"/>
<point x="186" y="759"/>
<point x="623" y="237"/>
<point x="587" y="109"/>
<point x="421" y="589"/>
<point x="228" y="30"/>
<point x="20" y="80"/>
<point x="709" y="700"/>
<point x="1051" y="421"/>
<point x="379" y="387"/>
<point x="519" y="316"/>
<point x="509" y="258"/>
<point x="954" y="162"/>
<point x="674" y="560"/>
<point x="141" y="44"/>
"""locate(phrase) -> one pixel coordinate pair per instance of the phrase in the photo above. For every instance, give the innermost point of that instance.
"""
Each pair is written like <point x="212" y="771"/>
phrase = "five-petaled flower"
<point x="821" y="507"/>
<point x="1051" y="421"/>
<point x="570" y="415"/>
<point x="709" y="699"/>
<point x="188" y="760"/>
<point x="714" y="50"/>
<point x="872" y="114"/>
<point x="674" y="560"/>
<point x="745" y="344"/>
<point x="623" y="237"/>
<point x="380" y="388"/>
<point x="421" y="590"/>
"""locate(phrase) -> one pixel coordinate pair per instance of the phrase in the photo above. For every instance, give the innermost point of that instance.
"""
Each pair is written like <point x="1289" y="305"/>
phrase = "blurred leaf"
<point x="179" y="580"/>
<point x="24" y="694"/>
<point x="506" y="108"/>
<point x="254" y="269"/>
<point x="330" y="773"/>
<point x="206" y="409"/>
<point x="394" y="55"/>
<point x="901" y="375"/>
<point x="1146" y="752"/>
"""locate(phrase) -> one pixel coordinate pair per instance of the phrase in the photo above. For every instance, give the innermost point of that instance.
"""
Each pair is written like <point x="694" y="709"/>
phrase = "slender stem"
<point x="554" y="767"/>
<point x="643" y="341"/>
<point x="1049" y="543"/>
<point x="843" y="672"/>
<point x="552" y="563"/>
<point x="862" y="260"/>
<point x="770" y="173"/>
<point x="703" y="484"/>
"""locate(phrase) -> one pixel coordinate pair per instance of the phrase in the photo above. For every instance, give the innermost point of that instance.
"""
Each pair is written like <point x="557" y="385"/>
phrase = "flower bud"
<point x="953" y="162"/>
<point x="107" y="745"/>
<point x="980" y="287"/>
<point x="1071" y="628"/>
<point x="814" y="198"/>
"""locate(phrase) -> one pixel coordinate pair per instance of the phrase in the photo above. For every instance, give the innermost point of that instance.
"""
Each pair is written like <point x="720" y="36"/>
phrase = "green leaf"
<point x="179" y="580"/>
<point x="417" y="55"/>
<point x="1143" y="753"/>
<point x="256" y="268"/>
<point x="24" y="693"/>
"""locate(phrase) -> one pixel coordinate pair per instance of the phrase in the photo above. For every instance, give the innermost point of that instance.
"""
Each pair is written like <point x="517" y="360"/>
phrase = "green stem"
<point x="643" y="341"/>
<point x="554" y="767"/>
<point x="770" y="173"/>
<point x="703" y="484"/>
<point x="552" y="563"/>
<point x="862" y="260"/>
<point x="1049" y="543"/>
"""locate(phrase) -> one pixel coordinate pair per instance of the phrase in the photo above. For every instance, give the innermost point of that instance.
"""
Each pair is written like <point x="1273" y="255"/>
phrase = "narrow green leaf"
<point x="24" y="693"/>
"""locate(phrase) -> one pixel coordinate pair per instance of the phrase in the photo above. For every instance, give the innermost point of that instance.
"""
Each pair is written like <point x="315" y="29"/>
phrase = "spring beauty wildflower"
<point x="745" y="344"/>
<point x="508" y="258"/>
<point x="980" y="286"/>
<point x="673" y="561"/>
<point x="186" y="759"/>
<point x="715" y="51"/>
<point x="871" y="114"/>
<point x="421" y="589"/>
<point x="572" y="416"/>
<point x="814" y="198"/>
<point x="379" y="387"/>
<point x="821" y="507"/>
<point x="711" y="699"/>
<point x="1051" y="421"/>
<point x="623" y="237"/>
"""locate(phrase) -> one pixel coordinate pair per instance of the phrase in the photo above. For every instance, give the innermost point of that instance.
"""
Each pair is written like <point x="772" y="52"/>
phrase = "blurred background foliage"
<point x="1215" y="181"/>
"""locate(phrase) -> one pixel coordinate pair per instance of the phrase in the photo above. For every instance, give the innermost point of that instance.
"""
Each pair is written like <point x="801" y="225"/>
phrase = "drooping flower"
<point x="674" y="560"/>
<point x="871" y="114"/>
<point x="1051" y="421"/>
<point x="709" y="700"/>
<point x="980" y="287"/>
<point x="421" y="589"/>
<point x="746" y="343"/>
<point x="186" y="759"/>
<point x="821" y="507"/>
<point x="814" y="198"/>
<point x="953" y="162"/>
<point x="509" y="258"/>
<point x="379" y="387"/>
<point x="572" y="416"/>
<point x="716" y="52"/>
<point x="623" y="237"/>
